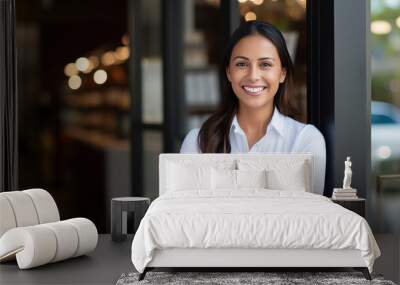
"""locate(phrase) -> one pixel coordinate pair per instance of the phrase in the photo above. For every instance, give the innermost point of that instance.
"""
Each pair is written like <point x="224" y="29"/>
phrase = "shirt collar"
<point x="277" y="123"/>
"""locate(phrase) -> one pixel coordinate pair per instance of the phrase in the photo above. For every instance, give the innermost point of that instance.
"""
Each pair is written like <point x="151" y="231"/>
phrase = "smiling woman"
<point x="257" y="113"/>
<point x="255" y="69"/>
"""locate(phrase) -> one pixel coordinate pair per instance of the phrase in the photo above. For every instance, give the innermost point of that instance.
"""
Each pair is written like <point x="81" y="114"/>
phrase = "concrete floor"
<point x="110" y="260"/>
<point x="388" y="263"/>
<point x="102" y="266"/>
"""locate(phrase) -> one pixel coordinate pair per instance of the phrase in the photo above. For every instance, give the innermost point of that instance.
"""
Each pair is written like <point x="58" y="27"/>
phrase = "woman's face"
<point x="255" y="71"/>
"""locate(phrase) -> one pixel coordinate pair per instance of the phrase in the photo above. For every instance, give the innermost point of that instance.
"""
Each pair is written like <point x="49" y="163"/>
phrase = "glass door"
<point x="385" y="115"/>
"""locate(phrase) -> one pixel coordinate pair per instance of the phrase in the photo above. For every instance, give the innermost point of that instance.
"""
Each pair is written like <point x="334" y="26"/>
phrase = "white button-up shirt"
<point x="283" y="135"/>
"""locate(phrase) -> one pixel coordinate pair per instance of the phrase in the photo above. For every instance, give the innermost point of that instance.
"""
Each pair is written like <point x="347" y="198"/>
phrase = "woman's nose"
<point x="254" y="73"/>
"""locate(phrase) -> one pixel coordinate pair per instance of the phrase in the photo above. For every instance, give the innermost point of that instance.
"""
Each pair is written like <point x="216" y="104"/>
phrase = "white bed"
<point x="202" y="220"/>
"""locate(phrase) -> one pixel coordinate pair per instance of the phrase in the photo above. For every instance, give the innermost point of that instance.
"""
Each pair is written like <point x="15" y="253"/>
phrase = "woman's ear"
<point x="227" y="74"/>
<point x="283" y="75"/>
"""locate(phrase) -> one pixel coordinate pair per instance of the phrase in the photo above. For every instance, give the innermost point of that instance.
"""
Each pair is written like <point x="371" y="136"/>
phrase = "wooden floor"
<point x="110" y="259"/>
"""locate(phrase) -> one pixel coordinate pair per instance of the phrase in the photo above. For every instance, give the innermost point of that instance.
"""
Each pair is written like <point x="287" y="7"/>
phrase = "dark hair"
<point x="214" y="133"/>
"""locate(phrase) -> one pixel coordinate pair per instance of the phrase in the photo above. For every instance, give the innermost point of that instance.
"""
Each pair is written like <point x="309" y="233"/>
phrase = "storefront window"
<point x="74" y="103"/>
<point x="152" y="93"/>
<point x="202" y="27"/>
<point x="385" y="115"/>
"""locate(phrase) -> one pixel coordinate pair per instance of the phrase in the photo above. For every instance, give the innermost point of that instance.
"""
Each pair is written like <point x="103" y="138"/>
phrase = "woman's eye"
<point x="265" y="65"/>
<point x="240" y="64"/>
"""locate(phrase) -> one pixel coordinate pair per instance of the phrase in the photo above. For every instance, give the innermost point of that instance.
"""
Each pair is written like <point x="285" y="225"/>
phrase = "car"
<point x="385" y="138"/>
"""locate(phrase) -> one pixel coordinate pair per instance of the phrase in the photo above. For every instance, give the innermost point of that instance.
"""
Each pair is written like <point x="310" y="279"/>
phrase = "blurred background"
<point x="77" y="91"/>
<point x="94" y="106"/>
<point x="385" y="116"/>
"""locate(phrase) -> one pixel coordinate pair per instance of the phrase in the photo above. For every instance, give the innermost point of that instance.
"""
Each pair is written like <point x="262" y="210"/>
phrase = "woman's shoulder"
<point x="192" y="134"/>
<point x="190" y="144"/>
<point x="303" y="134"/>
<point x="301" y="128"/>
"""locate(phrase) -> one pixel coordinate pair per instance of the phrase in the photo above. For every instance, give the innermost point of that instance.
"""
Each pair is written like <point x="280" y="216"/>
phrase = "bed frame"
<point x="242" y="259"/>
<point x="249" y="259"/>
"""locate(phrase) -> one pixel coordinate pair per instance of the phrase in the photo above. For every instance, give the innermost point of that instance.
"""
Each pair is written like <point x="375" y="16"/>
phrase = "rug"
<point x="243" y="278"/>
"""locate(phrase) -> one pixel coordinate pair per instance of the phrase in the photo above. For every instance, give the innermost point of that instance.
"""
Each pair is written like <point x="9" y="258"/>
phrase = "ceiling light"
<point x="100" y="76"/>
<point x="108" y="58"/>
<point x="122" y="53"/>
<point x="82" y="64"/>
<point x="250" y="16"/>
<point x="94" y="60"/>
<point x="70" y="69"/>
<point x="74" y="82"/>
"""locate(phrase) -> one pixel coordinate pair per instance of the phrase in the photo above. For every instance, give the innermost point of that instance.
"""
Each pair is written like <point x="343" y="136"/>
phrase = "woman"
<point x="256" y="114"/>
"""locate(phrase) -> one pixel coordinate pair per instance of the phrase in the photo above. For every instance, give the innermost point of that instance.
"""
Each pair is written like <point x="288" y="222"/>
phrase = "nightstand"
<point x="355" y="205"/>
<point x="119" y="210"/>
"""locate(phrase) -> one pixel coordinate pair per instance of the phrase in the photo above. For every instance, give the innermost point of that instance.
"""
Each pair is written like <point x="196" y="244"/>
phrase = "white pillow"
<point x="236" y="179"/>
<point x="251" y="178"/>
<point x="223" y="179"/>
<point x="293" y="178"/>
<point x="188" y="177"/>
<point x="281" y="174"/>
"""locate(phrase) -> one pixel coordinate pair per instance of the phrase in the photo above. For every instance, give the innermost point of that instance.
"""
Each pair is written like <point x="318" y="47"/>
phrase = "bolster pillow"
<point x="40" y="244"/>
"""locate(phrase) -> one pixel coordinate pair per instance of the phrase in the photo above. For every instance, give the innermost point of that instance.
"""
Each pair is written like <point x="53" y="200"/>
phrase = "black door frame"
<point x="320" y="77"/>
<point x="8" y="98"/>
<point x="338" y="83"/>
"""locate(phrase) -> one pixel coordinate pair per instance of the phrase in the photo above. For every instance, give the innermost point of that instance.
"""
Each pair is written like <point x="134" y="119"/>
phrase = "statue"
<point x="347" y="174"/>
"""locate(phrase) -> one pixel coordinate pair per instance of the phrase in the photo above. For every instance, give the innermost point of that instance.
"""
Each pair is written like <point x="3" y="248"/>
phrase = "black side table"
<point x="119" y="212"/>
<point x="355" y="205"/>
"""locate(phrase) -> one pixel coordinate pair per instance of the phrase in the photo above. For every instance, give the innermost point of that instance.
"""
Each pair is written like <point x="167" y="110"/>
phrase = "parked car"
<point x="385" y="138"/>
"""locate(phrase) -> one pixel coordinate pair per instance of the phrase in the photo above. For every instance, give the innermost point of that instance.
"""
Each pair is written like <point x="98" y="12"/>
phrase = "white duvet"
<point x="251" y="218"/>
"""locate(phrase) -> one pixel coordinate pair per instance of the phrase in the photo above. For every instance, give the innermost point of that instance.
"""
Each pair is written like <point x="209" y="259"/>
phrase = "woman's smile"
<point x="253" y="90"/>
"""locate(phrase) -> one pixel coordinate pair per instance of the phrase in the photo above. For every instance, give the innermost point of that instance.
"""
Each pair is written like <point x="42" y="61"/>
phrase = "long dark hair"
<point x="214" y="133"/>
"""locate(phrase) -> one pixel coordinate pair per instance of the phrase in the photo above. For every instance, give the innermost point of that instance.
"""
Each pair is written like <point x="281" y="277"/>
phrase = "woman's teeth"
<point x="253" y="89"/>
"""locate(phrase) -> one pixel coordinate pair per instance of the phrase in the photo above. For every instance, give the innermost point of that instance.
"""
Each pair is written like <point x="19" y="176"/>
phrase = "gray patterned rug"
<point x="230" y="278"/>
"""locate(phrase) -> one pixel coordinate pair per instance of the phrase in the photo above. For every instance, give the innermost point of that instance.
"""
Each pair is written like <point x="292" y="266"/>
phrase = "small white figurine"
<point x="347" y="174"/>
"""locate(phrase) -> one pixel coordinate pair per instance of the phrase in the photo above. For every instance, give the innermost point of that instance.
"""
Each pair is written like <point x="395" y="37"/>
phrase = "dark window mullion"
<point x="8" y="100"/>
<point x="173" y="74"/>
<point x="320" y="78"/>
<point x="135" y="90"/>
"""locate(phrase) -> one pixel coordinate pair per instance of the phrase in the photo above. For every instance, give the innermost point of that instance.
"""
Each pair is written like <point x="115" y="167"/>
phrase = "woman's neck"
<point x="255" y="122"/>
